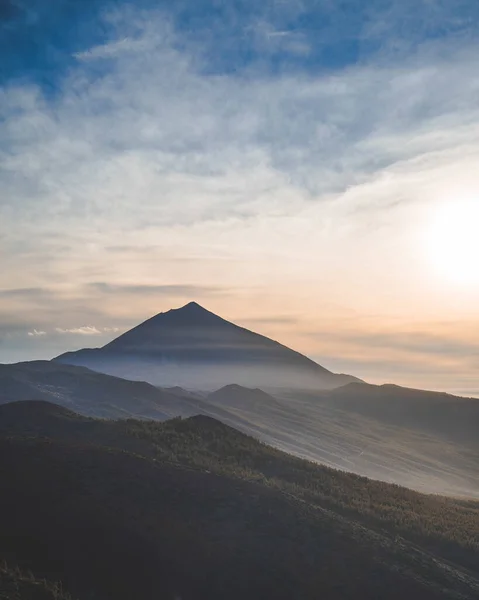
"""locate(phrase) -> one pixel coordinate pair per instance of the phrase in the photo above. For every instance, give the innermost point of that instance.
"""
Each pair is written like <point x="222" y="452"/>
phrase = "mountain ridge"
<point x="216" y="352"/>
<point x="424" y="440"/>
<point x="91" y="393"/>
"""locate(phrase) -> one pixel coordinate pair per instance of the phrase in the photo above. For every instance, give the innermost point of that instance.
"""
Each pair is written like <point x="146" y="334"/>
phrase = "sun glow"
<point x="453" y="241"/>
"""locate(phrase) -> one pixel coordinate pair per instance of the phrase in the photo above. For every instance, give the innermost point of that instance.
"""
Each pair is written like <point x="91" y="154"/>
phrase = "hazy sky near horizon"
<point x="307" y="169"/>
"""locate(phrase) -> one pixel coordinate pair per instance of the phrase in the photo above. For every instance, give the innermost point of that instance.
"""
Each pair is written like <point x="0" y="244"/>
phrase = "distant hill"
<point x="194" y="348"/>
<point x="91" y="393"/>
<point x="245" y="399"/>
<point x="455" y="418"/>
<point x="193" y="509"/>
<point x="424" y="440"/>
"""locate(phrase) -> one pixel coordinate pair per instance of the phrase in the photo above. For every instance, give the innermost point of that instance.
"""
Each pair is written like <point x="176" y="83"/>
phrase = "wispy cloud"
<point x="24" y="293"/>
<point x="114" y="49"/>
<point x="171" y="290"/>
<point x="36" y="333"/>
<point x="212" y="147"/>
<point x="269" y="320"/>
<point x="412" y="343"/>
<point x="85" y="330"/>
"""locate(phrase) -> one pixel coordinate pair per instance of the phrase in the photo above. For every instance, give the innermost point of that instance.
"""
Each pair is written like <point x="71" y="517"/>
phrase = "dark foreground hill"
<point x="193" y="509"/>
<point x="18" y="585"/>
<point x="194" y="348"/>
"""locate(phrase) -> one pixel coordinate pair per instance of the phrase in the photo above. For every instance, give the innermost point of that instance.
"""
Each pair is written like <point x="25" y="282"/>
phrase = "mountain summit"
<point x="192" y="347"/>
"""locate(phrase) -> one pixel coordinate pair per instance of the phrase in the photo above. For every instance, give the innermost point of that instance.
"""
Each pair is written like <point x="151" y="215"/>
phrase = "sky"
<point x="307" y="169"/>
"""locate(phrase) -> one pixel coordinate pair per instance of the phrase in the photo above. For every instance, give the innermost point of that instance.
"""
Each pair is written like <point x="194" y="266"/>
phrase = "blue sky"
<point x="286" y="164"/>
<point x="39" y="40"/>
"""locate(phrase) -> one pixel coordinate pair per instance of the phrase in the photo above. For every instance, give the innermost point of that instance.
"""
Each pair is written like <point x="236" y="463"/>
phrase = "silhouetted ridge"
<point x="192" y="327"/>
<point x="394" y="389"/>
<point x="241" y="397"/>
<point x="193" y="348"/>
<point x="234" y="388"/>
<point x="91" y="393"/>
<point x="190" y="315"/>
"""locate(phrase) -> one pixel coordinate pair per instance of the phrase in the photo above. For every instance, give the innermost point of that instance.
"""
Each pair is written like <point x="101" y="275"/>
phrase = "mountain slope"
<point x="424" y="440"/>
<point x="193" y="509"/>
<point x="91" y="393"/>
<point x="245" y="399"/>
<point x="455" y="418"/>
<point x="194" y="348"/>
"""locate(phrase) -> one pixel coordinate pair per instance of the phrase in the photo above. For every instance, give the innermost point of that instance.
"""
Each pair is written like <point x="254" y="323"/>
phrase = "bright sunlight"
<point x="453" y="241"/>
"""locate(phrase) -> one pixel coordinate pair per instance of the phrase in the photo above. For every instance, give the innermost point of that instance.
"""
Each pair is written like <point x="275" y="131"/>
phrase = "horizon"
<point x="197" y="304"/>
<point x="304" y="170"/>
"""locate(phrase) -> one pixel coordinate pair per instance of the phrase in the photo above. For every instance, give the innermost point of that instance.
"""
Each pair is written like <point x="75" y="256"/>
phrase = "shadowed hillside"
<point x="424" y="440"/>
<point x="91" y="393"/>
<point x="193" y="509"/>
<point x="455" y="418"/>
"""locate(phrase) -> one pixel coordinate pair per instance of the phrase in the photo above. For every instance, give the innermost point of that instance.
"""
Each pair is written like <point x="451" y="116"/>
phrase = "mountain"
<point x="453" y="417"/>
<point x="194" y="509"/>
<point x="192" y="347"/>
<point x="240" y="398"/>
<point x="93" y="394"/>
<point x="424" y="440"/>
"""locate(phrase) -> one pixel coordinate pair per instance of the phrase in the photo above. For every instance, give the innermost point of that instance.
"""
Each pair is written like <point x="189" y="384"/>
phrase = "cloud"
<point x="270" y="320"/>
<point x="412" y="343"/>
<point x="114" y="49"/>
<point x="24" y="293"/>
<point x="85" y="330"/>
<point x="88" y="330"/>
<point x="407" y="372"/>
<point x="440" y="356"/>
<point x="36" y="333"/>
<point x="171" y="290"/>
<point x="181" y="146"/>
